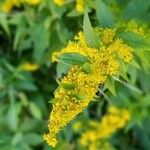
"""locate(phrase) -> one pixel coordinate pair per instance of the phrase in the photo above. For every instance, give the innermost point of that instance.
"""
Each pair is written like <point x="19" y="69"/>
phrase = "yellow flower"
<point x="108" y="35"/>
<point x="81" y="38"/>
<point x="132" y="26"/>
<point x="50" y="139"/>
<point x="77" y="126"/>
<point x="70" y="102"/>
<point x="33" y="2"/>
<point x="104" y="62"/>
<point x="7" y="6"/>
<point x="29" y="67"/>
<point x="123" y="50"/>
<point x="113" y="110"/>
<point x="59" y="2"/>
<point x="80" y="5"/>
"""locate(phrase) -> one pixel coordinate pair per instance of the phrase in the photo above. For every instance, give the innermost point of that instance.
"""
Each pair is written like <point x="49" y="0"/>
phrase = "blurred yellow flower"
<point x="77" y="126"/>
<point x="7" y="7"/>
<point x="115" y="119"/>
<point x="59" y="2"/>
<point x="29" y="67"/>
<point x="9" y="4"/>
<point x="80" y="5"/>
<point x="132" y="26"/>
<point x="33" y="2"/>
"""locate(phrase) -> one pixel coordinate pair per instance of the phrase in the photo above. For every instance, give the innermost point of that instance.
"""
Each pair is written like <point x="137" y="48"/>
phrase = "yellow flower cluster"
<point x="115" y="119"/>
<point x="100" y="146"/>
<point x="104" y="62"/>
<point x="9" y="4"/>
<point x="59" y="2"/>
<point x="132" y="26"/>
<point x="80" y="4"/>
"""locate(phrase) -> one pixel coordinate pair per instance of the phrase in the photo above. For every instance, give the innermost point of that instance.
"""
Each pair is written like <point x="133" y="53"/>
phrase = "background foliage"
<point x="29" y="34"/>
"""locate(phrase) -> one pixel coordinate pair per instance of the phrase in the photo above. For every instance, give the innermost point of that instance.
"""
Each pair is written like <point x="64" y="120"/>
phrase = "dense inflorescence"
<point x="115" y="119"/>
<point x="104" y="61"/>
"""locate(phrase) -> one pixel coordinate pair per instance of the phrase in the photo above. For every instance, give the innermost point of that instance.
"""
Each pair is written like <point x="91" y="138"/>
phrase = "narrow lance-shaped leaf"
<point x="135" y="40"/>
<point x="105" y="18"/>
<point x="73" y="59"/>
<point x="91" y="37"/>
<point x="110" y="84"/>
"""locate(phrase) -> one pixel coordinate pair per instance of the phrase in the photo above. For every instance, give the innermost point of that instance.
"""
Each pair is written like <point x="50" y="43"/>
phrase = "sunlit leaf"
<point x="73" y="59"/>
<point x="90" y="35"/>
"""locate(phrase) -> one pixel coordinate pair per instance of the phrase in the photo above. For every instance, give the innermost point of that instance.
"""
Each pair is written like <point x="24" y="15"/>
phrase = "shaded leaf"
<point x="136" y="8"/>
<point x="110" y="84"/>
<point x="104" y="16"/>
<point x="32" y="139"/>
<point x="135" y="40"/>
<point x="35" y="111"/>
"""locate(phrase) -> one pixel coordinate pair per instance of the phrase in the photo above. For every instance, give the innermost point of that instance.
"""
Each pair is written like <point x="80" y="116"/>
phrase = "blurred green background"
<point x="29" y="32"/>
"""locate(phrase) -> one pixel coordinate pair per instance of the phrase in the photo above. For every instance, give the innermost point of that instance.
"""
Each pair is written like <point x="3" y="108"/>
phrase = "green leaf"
<point x="136" y="9"/>
<point x="69" y="86"/>
<point x="35" y="111"/>
<point x="79" y="96"/>
<point x="73" y="59"/>
<point x="4" y="23"/>
<point x="110" y="84"/>
<point x="87" y="68"/>
<point x="40" y="38"/>
<point x="12" y="116"/>
<point x="32" y="139"/>
<point x="74" y="13"/>
<point x="105" y="18"/>
<point x="128" y="85"/>
<point x="135" y="40"/>
<point x="24" y="125"/>
<point x="143" y="78"/>
<point x="21" y="29"/>
<point x="123" y="70"/>
<point x="23" y="97"/>
<point x="17" y="138"/>
<point x="53" y="100"/>
<point x="61" y="69"/>
<point x="135" y="64"/>
<point x="91" y="37"/>
<point x="144" y="59"/>
<point x="26" y="85"/>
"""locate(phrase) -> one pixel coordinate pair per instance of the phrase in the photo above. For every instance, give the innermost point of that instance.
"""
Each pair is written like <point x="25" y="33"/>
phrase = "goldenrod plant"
<point x="74" y="74"/>
<point x="92" y="66"/>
